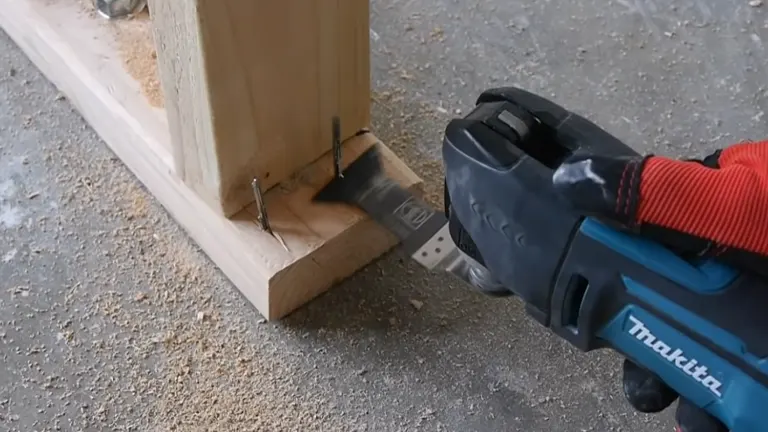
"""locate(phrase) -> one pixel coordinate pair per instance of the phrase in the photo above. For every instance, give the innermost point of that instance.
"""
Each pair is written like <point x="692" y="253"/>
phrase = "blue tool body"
<point x="699" y="325"/>
<point x="670" y="320"/>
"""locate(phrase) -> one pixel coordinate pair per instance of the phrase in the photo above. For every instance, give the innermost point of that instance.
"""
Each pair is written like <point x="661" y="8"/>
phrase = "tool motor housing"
<point x="700" y="326"/>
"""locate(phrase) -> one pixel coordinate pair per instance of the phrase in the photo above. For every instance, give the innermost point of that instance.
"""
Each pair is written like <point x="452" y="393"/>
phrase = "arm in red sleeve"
<point x="727" y="203"/>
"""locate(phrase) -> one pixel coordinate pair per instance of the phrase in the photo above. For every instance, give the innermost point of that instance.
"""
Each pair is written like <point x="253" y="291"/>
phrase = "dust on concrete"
<point x="211" y="377"/>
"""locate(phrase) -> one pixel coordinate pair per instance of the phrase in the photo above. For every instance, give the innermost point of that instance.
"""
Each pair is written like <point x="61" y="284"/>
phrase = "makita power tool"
<point x="696" y="325"/>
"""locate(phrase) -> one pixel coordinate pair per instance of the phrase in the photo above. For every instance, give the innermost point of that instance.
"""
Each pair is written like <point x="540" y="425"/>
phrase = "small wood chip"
<point x="140" y="296"/>
<point x="417" y="304"/>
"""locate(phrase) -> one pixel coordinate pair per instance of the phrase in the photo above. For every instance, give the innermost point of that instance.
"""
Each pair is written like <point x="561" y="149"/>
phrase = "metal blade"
<point x="423" y="231"/>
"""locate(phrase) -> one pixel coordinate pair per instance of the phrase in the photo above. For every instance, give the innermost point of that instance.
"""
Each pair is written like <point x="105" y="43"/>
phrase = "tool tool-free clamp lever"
<point x="552" y="132"/>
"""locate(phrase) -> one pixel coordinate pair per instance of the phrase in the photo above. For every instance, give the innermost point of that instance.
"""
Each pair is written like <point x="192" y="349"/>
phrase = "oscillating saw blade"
<point x="421" y="229"/>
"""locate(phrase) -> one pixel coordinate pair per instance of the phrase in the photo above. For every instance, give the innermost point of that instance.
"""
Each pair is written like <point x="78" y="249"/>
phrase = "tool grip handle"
<point x="700" y="327"/>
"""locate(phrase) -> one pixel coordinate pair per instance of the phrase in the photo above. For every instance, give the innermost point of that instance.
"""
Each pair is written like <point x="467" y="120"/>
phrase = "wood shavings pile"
<point x="157" y="337"/>
<point x="136" y="48"/>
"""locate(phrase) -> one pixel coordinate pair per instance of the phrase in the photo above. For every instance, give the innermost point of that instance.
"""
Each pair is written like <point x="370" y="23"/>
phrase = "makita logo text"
<point x="689" y="366"/>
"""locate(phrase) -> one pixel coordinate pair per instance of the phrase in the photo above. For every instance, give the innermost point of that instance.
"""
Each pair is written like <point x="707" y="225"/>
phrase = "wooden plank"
<point x="252" y="87"/>
<point x="80" y="54"/>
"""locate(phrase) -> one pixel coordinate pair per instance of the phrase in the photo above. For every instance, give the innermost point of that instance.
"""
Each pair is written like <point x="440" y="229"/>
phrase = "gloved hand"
<point x="647" y="393"/>
<point x="714" y="207"/>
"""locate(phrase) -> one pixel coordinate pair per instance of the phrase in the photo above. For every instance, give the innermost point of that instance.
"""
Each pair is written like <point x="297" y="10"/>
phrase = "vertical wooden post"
<point x="251" y="87"/>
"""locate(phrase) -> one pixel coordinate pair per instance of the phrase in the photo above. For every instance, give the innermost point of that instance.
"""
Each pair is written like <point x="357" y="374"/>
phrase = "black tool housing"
<point x="499" y="162"/>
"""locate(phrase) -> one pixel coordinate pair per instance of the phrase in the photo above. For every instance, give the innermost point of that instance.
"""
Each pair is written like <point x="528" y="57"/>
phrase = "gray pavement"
<point x="112" y="319"/>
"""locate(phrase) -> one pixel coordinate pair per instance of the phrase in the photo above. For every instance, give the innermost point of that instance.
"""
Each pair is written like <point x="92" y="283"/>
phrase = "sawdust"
<point x="136" y="197"/>
<point x="137" y="49"/>
<point x="176" y="352"/>
<point x="402" y="126"/>
<point x="214" y="379"/>
<point x="135" y="44"/>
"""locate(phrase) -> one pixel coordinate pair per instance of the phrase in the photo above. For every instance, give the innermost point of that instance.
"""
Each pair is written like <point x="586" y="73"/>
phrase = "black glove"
<point x="712" y="207"/>
<point x="647" y="393"/>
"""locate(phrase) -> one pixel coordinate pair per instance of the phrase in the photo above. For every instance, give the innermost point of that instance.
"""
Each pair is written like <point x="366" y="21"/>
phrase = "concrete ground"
<point x="112" y="319"/>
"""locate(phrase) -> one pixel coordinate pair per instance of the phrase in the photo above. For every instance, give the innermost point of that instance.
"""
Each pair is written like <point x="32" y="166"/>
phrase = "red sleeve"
<point x="728" y="205"/>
